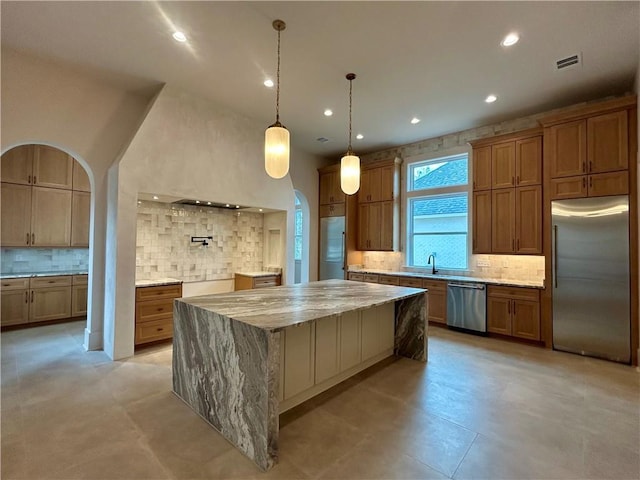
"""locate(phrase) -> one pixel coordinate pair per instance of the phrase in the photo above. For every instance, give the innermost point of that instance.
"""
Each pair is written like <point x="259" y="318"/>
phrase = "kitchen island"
<point x="240" y="359"/>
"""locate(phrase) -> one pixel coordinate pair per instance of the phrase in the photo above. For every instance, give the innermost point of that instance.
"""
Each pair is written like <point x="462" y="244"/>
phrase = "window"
<point x="298" y="230"/>
<point x="437" y="205"/>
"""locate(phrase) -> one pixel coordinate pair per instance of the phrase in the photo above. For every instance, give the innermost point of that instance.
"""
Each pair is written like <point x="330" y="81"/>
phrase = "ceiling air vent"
<point x="568" y="62"/>
<point x="322" y="139"/>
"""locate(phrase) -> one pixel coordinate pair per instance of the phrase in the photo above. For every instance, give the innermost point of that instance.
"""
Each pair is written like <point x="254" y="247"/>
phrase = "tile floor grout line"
<point x="465" y="455"/>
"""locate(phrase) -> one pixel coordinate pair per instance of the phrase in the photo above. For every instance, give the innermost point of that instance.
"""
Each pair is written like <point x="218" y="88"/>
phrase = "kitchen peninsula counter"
<point x="230" y="350"/>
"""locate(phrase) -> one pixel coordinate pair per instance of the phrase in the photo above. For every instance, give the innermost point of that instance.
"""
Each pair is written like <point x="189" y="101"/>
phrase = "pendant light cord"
<point x="350" y="101"/>
<point x="278" y="83"/>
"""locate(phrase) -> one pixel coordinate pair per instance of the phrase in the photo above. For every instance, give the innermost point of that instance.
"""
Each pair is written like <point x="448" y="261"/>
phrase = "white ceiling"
<point x="434" y="60"/>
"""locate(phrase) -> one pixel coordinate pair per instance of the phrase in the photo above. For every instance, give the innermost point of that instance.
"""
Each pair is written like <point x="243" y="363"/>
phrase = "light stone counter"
<point x="457" y="278"/>
<point x="157" y="282"/>
<point x="42" y="274"/>
<point x="227" y="349"/>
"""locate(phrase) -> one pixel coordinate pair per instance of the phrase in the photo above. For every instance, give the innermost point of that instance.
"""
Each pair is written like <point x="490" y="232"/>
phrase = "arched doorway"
<point x="44" y="235"/>
<point x="301" y="238"/>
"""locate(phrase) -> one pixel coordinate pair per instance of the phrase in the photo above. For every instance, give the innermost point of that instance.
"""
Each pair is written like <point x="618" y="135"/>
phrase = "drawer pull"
<point x="34" y="180"/>
<point x="28" y="238"/>
<point x="52" y="281"/>
<point x="33" y="238"/>
<point x="29" y="179"/>
<point x="159" y="329"/>
<point x="160" y="309"/>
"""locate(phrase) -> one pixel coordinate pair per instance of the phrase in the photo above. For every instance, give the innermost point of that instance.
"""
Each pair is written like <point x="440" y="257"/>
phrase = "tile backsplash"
<point x="504" y="267"/>
<point x="32" y="260"/>
<point x="164" y="247"/>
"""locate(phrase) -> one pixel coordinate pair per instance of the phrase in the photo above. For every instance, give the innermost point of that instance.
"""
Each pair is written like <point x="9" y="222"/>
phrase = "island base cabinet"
<point x="317" y="355"/>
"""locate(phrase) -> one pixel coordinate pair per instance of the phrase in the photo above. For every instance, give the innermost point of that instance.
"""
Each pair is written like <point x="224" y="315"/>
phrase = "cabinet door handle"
<point x="34" y="180"/>
<point x="33" y="239"/>
<point x="518" y="245"/>
<point x="513" y="180"/>
<point x="474" y="184"/>
<point x="31" y="296"/>
<point x="590" y="182"/>
<point x="590" y="166"/>
<point x="28" y="236"/>
<point x="518" y="180"/>
<point x="509" y="306"/>
<point x="29" y="179"/>
<point x="513" y="244"/>
<point x="514" y="307"/>
<point x="584" y="167"/>
<point x="26" y="297"/>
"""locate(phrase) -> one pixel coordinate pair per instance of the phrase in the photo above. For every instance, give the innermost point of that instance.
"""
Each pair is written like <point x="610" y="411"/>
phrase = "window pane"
<point x="450" y="250"/>
<point x="298" y="224"/>
<point x="438" y="224"/>
<point x="439" y="173"/>
<point x="298" y="248"/>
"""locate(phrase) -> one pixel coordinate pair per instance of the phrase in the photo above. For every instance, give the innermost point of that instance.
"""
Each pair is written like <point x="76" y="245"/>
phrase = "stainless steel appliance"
<point x="591" y="294"/>
<point x="467" y="306"/>
<point x="332" y="248"/>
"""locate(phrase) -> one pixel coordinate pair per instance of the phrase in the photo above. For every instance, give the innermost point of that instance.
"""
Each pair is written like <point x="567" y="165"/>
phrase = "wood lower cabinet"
<point x="79" y="295"/>
<point x="51" y="303"/>
<point x="248" y="282"/>
<point x="154" y="312"/>
<point x="514" y="311"/>
<point x="14" y="304"/>
<point x="437" y="300"/>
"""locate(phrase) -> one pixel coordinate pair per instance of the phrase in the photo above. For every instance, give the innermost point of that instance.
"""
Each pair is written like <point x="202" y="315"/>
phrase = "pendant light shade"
<point x="276" y="137"/>
<point x="350" y="163"/>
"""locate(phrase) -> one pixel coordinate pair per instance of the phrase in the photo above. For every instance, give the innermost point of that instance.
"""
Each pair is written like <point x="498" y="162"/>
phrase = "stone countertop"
<point x="280" y="307"/>
<point x="258" y="274"/>
<point x="458" y="278"/>
<point x="43" y="274"/>
<point x="156" y="282"/>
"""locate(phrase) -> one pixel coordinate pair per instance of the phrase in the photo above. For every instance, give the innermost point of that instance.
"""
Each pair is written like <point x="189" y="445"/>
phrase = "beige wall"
<point x="56" y="105"/>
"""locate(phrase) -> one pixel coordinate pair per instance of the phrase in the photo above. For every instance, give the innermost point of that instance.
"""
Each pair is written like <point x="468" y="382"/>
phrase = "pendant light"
<point x="276" y="137"/>
<point x="350" y="164"/>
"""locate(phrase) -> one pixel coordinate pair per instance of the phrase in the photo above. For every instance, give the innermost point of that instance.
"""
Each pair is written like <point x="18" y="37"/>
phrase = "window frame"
<point x="409" y="195"/>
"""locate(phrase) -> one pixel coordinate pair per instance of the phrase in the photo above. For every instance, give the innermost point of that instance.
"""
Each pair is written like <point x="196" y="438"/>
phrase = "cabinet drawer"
<point x="388" y="280"/>
<point x="80" y="279"/>
<point x="356" y="277"/>
<point x="154" y="310"/>
<point x="371" y="277"/>
<point x="435" y="285"/>
<point x="14" y="283"/>
<point x="263" y="282"/>
<point x="59" y="281"/>
<point x="521" y="293"/>
<point x="410" y="282"/>
<point x="163" y="291"/>
<point x="152" y="331"/>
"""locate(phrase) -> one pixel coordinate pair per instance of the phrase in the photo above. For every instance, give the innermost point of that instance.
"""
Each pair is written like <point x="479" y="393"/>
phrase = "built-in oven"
<point x="467" y="306"/>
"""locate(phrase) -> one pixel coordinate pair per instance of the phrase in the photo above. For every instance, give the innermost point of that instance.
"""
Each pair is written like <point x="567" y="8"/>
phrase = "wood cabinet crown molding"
<point x="507" y="137"/>
<point x="585" y="111"/>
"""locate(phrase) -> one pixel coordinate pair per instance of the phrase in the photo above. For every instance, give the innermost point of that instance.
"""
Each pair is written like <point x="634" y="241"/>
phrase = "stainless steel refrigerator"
<point x="332" y="248"/>
<point x="591" y="293"/>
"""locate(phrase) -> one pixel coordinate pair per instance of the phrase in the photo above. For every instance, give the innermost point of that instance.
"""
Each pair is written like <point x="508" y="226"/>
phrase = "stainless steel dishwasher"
<point x="467" y="306"/>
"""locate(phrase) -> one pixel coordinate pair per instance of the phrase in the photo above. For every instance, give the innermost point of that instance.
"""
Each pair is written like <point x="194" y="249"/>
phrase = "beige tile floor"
<point x="480" y="408"/>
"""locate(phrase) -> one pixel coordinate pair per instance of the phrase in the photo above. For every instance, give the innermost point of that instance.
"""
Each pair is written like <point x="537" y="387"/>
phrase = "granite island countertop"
<point x="42" y="274"/>
<point x="457" y="278"/>
<point x="276" y="308"/>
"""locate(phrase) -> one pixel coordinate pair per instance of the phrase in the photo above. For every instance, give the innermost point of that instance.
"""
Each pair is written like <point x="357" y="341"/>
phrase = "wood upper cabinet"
<point x="482" y="168"/>
<point x="52" y="168"/>
<point x="50" y="217"/>
<point x="15" y="215"/>
<point x="503" y="220"/>
<point x="565" y="148"/>
<point x="330" y="191"/>
<point x="482" y="221"/>
<point x="17" y="165"/>
<point x="386" y="226"/>
<point x="377" y="184"/>
<point x="514" y="311"/>
<point x="503" y="165"/>
<point x="81" y="181"/>
<point x="369" y="226"/>
<point x="80" y="216"/>
<point x="528" y="220"/>
<point x="612" y="183"/>
<point x="528" y="161"/>
<point x="607" y="142"/>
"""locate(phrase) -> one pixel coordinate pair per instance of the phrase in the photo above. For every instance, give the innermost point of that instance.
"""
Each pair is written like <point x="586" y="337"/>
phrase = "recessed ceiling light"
<point x="359" y="136"/>
<point x="179" y="36"/>
<point x="155" y="197"/>
<point x="227" y="205"/>
<point x="237" y="206"/>
<point x="510" y="39"/>
<point x="260" y="209"/>
<point x="328" y="112"/>
<point x="490" y="98"/>
<point x="268" y="83"/>
<point x="197" y="201"/>
<point x="208" y="203"/>
<point x="139" y="202"/>
<point x="415" y="120"/>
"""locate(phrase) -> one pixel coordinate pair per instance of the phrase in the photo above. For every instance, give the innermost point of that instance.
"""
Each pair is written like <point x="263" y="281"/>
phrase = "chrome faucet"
<point x="433" y="268"/>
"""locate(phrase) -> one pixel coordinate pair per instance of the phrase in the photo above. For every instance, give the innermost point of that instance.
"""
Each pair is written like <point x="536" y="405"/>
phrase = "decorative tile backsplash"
<point x="32" y="260"/>
<point x="164" y="247"/>
<point x="503" y="267"/>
